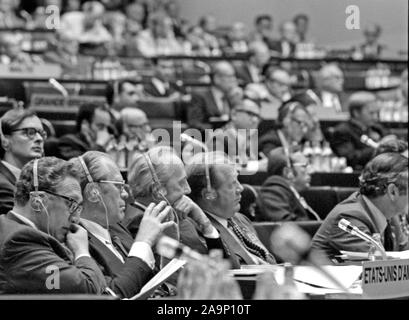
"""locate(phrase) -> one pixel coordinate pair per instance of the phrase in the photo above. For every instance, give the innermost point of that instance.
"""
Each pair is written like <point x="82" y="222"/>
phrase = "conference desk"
<point x="334" y="179"/>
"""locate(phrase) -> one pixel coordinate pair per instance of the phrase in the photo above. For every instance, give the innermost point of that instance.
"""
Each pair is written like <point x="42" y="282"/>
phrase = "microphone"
<point x="186" y="138"/>
<point x="60" y="88"/>
<point x="369" y="142"/>
<point x="345" y="225"/>
<point x="292" y="244"/>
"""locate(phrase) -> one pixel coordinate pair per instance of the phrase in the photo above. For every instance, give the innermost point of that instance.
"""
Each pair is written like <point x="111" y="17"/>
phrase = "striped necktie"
<point x="250" y="242"/>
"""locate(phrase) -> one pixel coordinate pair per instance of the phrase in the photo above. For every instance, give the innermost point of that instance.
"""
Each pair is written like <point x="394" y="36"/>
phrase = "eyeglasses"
<point x="31" y="132"/>
<point x="302" y="165"/>
<point x="250" y="113"/>
<point x="73" y="206"/>
<point x="121" y="185"/>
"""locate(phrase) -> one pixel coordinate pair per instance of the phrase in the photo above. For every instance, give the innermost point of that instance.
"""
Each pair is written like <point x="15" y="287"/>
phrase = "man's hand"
<point x="151" y="224"/>
<point x="187" y="207"/>
<point x="77" y="241"/>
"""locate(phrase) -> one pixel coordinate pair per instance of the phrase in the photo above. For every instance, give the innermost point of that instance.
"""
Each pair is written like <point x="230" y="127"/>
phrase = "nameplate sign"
<point x="386" y="279"/>
<point x="34" y="71"/>
<point x="56" y="100"/>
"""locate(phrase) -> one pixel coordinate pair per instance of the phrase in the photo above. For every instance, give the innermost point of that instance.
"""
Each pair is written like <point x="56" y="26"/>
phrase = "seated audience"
<point x="40" y="235"/>
<point x="11" y="52"/>
<point x="92" y="125"/>
<point x="251" y="72"/>
<point x="159" y="175"/>
<point x="263" y="24"/>
<point x="162" y="83"/>
<point x="279" y="198"/>
<point x="126" y="262"/>
<point x="347" y="138"/>
<point x="370" y="48"/>
<point x="285" y="46"/>
<point x="292" y="127"/>
<point x="238" y="138"/>
<point x="22" y="140"/>
<point x="219" y="197"/>
<point x="236" y="40"/>
<point x="213" y="104"/>
<point x="208" y="25"/>
<point x="383" y="194"/>
<point x="8" y="16"/>
<point x="158" y="38"/>
<point x="330" y="85"/>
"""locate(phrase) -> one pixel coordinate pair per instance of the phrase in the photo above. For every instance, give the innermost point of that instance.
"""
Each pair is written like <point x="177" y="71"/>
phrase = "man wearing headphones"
<point x="159" y="175"/>
<point x="42" y="249"/>
<point x="126" y="262"/>
<point x="279" y="198"/>
<point x="383" y="194"/>
<point x="240" y="240"/>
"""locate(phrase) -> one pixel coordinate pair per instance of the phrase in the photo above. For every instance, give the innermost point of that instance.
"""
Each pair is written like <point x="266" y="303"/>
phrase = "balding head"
<point x="224" y="76"/>
<point x="331" y="78"/>
<point x="288" y="31"/>
<point x="363" y="107"/>
<point x="259" y="53"/>
<point x="135" y="123"/>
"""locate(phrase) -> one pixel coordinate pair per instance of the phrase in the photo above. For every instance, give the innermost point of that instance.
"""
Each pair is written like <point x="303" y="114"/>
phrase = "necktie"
<point x="388" y="238"/>
<point x="249" y="241"/>
<point x="118" y="245"/>
<point x="309" y="209"/>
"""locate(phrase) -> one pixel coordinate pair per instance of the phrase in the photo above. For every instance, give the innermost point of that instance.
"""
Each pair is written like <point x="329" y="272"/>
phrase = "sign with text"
<point x="386" y="279"/>
<point x="37" y="71"/>
<point x="56" y="100"/>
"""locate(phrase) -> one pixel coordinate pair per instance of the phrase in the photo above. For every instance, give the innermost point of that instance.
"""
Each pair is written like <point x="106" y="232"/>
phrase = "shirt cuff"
<point x="143" y="251"/>
<point x="213" y="235"/>
<point x="82" y="255"/>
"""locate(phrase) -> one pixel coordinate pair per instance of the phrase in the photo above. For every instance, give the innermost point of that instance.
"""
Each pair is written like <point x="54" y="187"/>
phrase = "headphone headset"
<point x="38" y="198"/>
<point x="157" y="189"/>
<point x="210" y="193"/>
<point x="91" y="190"/>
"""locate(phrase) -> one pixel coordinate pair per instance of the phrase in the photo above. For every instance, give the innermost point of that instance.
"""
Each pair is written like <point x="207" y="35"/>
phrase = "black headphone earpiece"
<point x="91" y="190"/>
<point x="38" y="199"/>
<point x="158" y="190"/>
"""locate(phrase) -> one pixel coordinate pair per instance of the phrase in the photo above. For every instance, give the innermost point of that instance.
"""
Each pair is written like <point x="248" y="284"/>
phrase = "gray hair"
<point x="140" y="177"/>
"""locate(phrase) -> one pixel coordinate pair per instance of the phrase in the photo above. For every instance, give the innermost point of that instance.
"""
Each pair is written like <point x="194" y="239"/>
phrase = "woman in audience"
<point x="22" y="140"/>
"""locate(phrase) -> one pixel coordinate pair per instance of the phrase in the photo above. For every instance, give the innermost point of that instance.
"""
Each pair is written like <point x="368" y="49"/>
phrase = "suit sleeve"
<point x="133" y="276"/>
<point x="342" y="240"/>
<point x="275" y="204"/>
<point x="196" y="113"/>
<point x="6" y="198"/>
<point x="343" y="147"/>
<point x="34" y="267"/>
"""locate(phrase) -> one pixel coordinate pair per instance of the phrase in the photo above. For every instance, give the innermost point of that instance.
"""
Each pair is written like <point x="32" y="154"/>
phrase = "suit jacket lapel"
<point x="234" y="247"/>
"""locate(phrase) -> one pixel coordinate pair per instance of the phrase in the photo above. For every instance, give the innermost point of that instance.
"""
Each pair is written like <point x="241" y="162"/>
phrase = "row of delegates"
<point x="22" y="140"/>
<point x="44" y="230"/>
<point x="205" y="214"/>
<point x="382" y="196"/>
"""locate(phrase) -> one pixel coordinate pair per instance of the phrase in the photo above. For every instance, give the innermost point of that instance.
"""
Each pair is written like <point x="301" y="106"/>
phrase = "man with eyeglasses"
<point x="279" y="198"/>
<point x="42" y="249"/>
<point x="126" y="262"/>
<point x="238" y="138"/>
<point x="22" y="139"/>
<point x="382" y="195"/>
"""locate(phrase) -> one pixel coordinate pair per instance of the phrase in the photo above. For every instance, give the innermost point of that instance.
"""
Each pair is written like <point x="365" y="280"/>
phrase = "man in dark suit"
<point x="22" y="139"/>
<point x="92" y="126"/>
<point x="383" y="195"/>
<point x="213" y="104"/>
<point x="126" y="262"/>
<point x="279" y="198"/>
<point x="251" y="72"/>
<point x="330" y="85"/>
<point x="161" y="85"/>
<point x="159" y="175"/>
<point x="219" y="197"/>
<point x="285" y="46"/>
<point x="42" y="249"/>
<point x="352" y="139"/>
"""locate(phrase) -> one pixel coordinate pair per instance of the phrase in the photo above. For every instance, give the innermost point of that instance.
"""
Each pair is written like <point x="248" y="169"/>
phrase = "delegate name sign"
<point x="386" y="279"/>
<point x="55" y="100"/>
